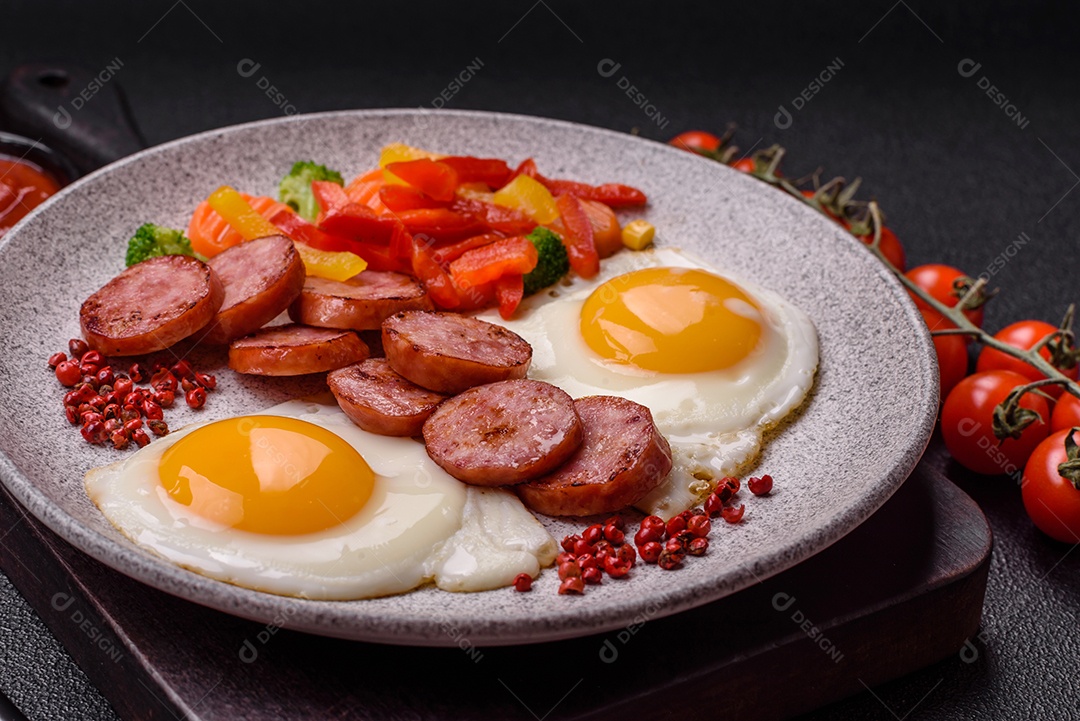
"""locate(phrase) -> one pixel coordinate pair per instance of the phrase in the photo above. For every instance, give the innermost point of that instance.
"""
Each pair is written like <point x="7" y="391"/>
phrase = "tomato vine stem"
<point x="955" y="313"/>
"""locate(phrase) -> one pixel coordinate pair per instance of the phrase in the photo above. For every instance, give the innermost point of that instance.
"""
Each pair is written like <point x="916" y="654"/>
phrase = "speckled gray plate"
<point x="863" y="431"/>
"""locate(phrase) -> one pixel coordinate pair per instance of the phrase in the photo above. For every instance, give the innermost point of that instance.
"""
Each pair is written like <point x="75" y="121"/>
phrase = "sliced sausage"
<point x="623" y="457"/>
<point x="151" y="305"/>
<point x="503" y="433"/>
<point x="362" y="302"/>
<point x="292" y="350"/>
<point x="261" y="278"/>
<point x="449" y="353"/>
<point x="379" y="400"/>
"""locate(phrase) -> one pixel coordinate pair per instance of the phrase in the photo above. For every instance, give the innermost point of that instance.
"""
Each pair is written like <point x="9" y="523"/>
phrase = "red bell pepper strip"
<point x="406" y="197"/>
<point x="401" y="244"/>
<point x="527" y="167"/>
<point x="492" y="171"/>
<point x="364" y="189"/>
<point x="441" y="225"/>
<point x="329" y="195"/>
<point x="613" y="194"/>
<point x="434" y="279"/>
<point x="477" y="297"/>
<point x="341" y="216"/>
<point x="431" y="177"/>
<point x="509" y="289"/>
<point x="515" y="255"/>
<point x="358" y="222"/>
<point x="380" y="258"/>
<point x="578" y="238"/>
<point x="496" y="217"/>
<point x="298" y="229"/>
<point x="448" y="253"/>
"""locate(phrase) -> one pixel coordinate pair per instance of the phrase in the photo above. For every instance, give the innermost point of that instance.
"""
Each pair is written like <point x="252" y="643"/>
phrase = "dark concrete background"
<point x="958" y="178"/>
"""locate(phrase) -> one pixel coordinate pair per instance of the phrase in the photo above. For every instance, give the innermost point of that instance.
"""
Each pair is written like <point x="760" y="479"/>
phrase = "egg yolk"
<point x="671" y="320"/>
<point x="267" y="474"/>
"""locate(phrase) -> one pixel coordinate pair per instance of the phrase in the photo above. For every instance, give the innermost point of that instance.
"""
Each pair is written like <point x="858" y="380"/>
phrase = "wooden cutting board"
<point x="900" y="592"/>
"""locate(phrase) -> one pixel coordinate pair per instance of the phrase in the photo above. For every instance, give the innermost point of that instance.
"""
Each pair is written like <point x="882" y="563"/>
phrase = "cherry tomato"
<point x="1022" y="334"/>
<point x="1052" y="502"/>
<point x="967" y="417"/>
<point x="1066" y="413"/>
<point x="695" y="141"/>
<point x="951" y="352"/>
<point x="946" y="285"/>
<point x="890" y="247"/>
<point x="744" y="165"/>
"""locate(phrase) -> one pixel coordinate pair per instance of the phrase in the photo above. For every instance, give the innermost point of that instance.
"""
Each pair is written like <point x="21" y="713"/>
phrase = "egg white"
<point x="714" y="420"/>
<point x="419" y="525"/>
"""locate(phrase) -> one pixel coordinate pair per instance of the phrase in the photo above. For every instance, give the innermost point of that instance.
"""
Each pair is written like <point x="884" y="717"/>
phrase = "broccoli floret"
<point x="295" y="188"/>
<point x="152" y="240"/>
<point x="552" y="264"/>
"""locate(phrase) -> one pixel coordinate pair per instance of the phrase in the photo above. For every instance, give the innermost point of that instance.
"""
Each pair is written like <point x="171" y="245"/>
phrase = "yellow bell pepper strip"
<point x="401" y="153"/>
<point x="334" y="265"/>
<point x="530" y="197"/>
<point x="238" y="213"/>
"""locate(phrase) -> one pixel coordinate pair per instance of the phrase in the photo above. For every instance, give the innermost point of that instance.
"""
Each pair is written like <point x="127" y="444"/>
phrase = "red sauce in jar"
<point x="23" y="187"/>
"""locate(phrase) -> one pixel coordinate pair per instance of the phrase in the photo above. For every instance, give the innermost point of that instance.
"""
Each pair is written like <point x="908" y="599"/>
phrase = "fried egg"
<point x="717" y="359"/>
<point x="298" y="501"/>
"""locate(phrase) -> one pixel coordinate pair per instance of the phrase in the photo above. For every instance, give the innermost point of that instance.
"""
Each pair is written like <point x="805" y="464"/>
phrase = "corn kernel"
<point x="637" y="234"/>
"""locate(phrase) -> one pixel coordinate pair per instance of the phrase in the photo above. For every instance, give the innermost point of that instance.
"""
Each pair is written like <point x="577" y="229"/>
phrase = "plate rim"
<point x="254" y="605"/>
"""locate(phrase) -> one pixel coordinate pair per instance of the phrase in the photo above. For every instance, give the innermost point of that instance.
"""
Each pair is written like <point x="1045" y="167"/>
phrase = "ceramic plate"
<point x="863" y="430"/>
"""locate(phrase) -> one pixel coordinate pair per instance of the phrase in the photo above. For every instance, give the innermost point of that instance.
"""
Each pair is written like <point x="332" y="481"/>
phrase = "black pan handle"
<point x="80" y="113"/>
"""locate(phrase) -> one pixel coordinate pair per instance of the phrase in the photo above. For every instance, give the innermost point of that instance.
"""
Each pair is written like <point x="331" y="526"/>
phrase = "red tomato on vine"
<point x="967" y="420"/>
<point x="1051" y="497"/>
<point x="1026" y="334"/>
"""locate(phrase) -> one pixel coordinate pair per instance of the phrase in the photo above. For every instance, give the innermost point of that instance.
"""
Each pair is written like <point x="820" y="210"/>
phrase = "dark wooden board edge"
<point x="882" y="617"/>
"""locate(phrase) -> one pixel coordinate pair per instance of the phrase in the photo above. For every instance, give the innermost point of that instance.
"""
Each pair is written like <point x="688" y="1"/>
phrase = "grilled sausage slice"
<point x="450" y="353"/>
<point x="379" y="400"/>
<point x="622" y="458"/>
<point x="362" y="302"/>
<point x="291" y="350"/>
<point x="151" y="305"/>
<point x="261" y="278"/>
<point x="503" y="433"/>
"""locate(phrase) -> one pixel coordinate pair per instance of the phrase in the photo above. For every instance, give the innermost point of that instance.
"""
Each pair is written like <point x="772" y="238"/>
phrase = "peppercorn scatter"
<point x="110" y="407"/>
<point x="603" y="549"/>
